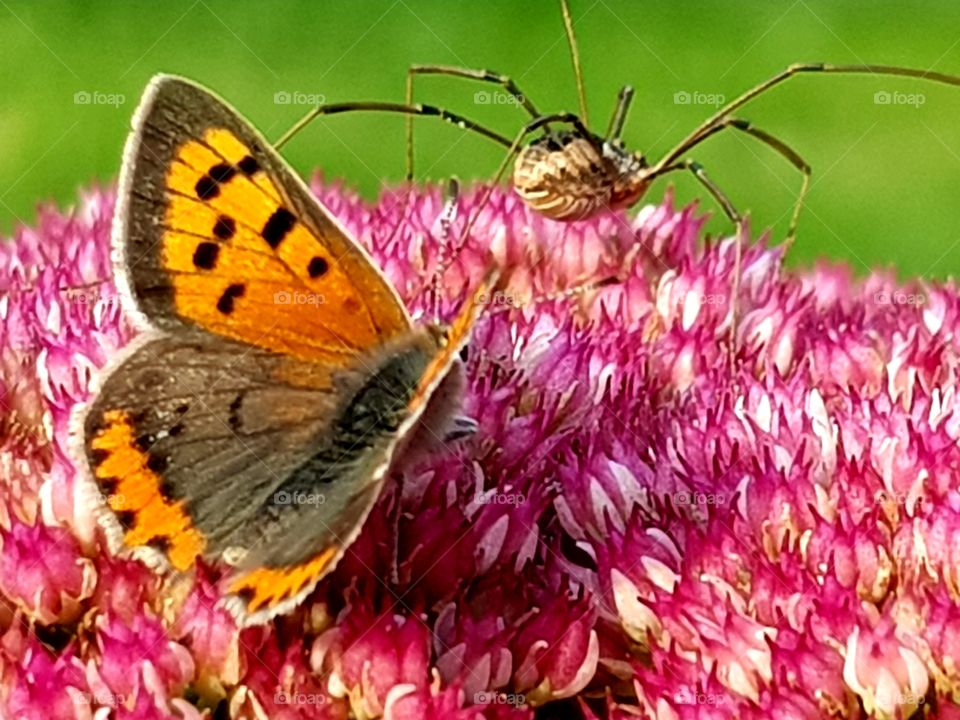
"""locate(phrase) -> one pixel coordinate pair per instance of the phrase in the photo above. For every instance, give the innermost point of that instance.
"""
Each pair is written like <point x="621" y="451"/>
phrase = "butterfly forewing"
<point x="216" y="231"/>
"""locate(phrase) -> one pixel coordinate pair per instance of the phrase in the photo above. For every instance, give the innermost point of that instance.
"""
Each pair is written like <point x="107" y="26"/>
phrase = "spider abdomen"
<point x="573" y="178"/>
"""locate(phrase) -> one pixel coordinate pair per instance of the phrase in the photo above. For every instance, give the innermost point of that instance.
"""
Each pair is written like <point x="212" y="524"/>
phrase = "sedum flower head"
<point x="649" y="522"/>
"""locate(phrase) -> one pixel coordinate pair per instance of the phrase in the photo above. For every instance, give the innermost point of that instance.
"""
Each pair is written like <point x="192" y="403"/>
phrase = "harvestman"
<point x="574" y="173"/>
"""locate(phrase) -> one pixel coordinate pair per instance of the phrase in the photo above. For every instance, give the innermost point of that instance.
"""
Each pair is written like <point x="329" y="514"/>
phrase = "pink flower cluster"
<point x="650" y="522"/>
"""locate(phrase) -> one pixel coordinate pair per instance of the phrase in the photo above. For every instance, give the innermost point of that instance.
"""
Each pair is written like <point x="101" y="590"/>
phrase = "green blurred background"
<point x="886" y="176"/>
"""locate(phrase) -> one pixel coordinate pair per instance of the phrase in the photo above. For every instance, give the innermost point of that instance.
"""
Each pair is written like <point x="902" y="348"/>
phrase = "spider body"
<point x="569" y="176"/>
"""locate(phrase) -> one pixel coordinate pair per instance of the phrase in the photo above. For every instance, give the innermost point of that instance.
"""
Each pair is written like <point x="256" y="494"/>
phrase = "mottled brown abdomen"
<point x="573" y="179"/>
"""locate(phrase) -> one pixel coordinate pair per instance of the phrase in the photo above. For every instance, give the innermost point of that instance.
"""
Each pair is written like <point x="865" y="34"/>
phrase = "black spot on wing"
<point x="108" y="485"/>
<point x="225" y="303"/>
<point x="205" y="256"/>
<point x="233" y="420"/>
<point x="207" y="188"/>
<point x="277" y="227"/>
<point x="161" y="543"/>
<point x="248" y="165"/>
<point x="225" y="227"/>
<point x="222" y="173"/>
<point x="157" y="462"/>
<point x="317" y="267"/>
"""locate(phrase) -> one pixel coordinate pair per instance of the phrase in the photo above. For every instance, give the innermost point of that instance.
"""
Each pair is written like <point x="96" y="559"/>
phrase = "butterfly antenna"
<point x="575" y="58"/>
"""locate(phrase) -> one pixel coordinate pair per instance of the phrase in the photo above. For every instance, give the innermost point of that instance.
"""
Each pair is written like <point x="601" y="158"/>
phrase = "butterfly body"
<point x="242" y="425"/>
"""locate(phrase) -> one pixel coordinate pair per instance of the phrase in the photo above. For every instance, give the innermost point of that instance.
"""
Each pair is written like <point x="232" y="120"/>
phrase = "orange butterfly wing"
<point x="218" y="232"/>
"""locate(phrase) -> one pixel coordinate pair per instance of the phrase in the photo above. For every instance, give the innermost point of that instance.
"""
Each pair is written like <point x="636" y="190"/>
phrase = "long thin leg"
<point x="731" y="212"/>
<point x="424" y="110"/>
<point x="487" y="76"/>
<point x="575" y="59"/>
<point x="722" y="200"/>
<point x="693" y="138"/>
<point x="791" y="155"/>
<point x="619" y="117"/>
<point x="410" y="110"/>
<point x="778" y="146"/>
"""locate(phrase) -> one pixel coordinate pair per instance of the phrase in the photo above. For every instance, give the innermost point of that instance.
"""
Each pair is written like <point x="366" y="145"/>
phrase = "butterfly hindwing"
<point x="216" y="231"/>
<point x="191" y="434"/>
<point x="228" y="459"/>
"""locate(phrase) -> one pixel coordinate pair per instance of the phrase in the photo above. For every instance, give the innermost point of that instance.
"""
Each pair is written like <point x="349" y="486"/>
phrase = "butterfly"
<point x="255" y="417"/>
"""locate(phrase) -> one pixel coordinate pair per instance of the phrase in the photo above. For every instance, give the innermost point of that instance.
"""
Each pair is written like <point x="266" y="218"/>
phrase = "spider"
<point x="569" y="171"/>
